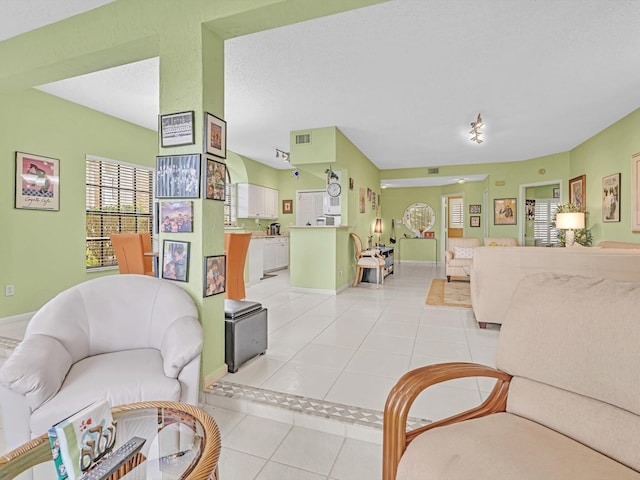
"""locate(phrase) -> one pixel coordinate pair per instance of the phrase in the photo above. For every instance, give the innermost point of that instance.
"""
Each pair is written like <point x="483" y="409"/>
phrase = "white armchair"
<point x="124" y="338"/>
<point x="459" y="256"/>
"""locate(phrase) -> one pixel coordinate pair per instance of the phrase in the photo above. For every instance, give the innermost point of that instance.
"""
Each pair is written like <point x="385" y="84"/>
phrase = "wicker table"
<point x="183" y="442"/>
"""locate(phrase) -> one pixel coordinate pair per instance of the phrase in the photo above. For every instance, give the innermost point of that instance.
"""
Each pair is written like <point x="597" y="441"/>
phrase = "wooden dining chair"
<point x="129" y="249"/>
<point x="236" y="246"/>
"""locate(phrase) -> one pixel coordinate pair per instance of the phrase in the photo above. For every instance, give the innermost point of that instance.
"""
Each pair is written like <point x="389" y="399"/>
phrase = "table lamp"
<point x="570" y="222"/>
<point x="378" y="229"/>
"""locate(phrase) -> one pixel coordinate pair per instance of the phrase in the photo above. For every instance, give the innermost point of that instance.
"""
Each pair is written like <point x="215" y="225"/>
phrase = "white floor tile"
<point x="309" y="450"/>
<point x="255" y="372"/>
<point x="388" y="344"/>
<point x="257" y="436"/>
<point x="367" y="391"/>
<point x="330" y="356"/>
<point x="358" y="461"/>
<point x="239" y="466"/>
<point x="379" y="363"/>
<point x="277" y="471"/>
<point x="306" y="380"/>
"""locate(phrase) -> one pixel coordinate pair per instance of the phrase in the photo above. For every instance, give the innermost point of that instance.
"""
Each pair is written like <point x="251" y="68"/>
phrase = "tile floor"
<point x="341" y="350"/>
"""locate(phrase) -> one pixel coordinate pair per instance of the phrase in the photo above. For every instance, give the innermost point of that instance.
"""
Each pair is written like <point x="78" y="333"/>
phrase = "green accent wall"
<point x="43" y="252"/>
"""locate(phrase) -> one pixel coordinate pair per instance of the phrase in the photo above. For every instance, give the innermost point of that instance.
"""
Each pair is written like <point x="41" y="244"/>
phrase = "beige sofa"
<point x="565" y="405"/>
<point x="496" y="271"/>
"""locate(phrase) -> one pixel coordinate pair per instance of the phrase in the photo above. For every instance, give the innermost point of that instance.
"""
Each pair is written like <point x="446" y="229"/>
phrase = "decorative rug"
<point x="449" y="294"/>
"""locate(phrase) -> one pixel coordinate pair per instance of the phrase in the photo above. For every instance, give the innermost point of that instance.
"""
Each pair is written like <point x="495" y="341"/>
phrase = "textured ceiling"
<point x="404" y="79"/>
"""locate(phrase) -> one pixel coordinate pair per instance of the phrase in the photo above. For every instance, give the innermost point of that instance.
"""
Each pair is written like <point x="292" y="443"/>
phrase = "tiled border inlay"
<point x="311" y="406"/>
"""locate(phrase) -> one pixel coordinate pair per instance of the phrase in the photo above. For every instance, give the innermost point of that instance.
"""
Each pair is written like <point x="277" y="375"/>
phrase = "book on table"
<point x="80" y="440"/>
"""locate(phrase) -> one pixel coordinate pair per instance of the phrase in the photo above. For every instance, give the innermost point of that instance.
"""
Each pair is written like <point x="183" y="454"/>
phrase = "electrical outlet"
<point x="340" y="273"/>
<point x="8" y="290"/>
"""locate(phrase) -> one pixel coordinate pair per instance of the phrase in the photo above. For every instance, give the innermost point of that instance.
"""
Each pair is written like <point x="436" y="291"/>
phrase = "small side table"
<point x="369" y="274"/>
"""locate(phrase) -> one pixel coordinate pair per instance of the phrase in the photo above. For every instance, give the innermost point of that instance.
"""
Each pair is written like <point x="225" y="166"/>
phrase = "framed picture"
<point x="474" y="221"/>
<point x="176" y="217"/>
<point x="215" y="270"/>
<point x="530" y="209"/>
<point x="216" y="180"/>
<point x="178" y="176"/>
<point x="504" y="211"/>
<point x="175" y="260"/>
<point x="361" y="199"/>
<point x="287" y="206"/>
<point x="635" y="193"/>
<point x="37" y="182"/>
<point x="350" y="183"/>
<point x="578" y="191"/>
<point x="215" y="136"/>
<point x="611" y="198"/>
<point x="177" y="129"/>
<point x="556" y="192"/>
<point x="429" y="234"/>
<point x="475" y="209"/>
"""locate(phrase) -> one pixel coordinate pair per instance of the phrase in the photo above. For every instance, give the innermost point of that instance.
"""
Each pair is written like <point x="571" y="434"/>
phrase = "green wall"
<point x="43" y="252"/>
<point x="604" y="154"/>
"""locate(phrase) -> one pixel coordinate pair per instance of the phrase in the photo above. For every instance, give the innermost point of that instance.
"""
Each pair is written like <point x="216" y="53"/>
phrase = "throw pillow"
<point x="462" y="252"/>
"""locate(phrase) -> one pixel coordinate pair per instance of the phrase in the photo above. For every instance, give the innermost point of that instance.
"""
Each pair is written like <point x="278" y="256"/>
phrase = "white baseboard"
<point x="22" y="317"/>
<point x="313" y="290"/>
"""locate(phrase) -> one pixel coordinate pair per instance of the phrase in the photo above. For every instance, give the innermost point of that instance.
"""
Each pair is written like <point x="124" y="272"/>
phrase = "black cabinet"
<point x="369" y="274"/>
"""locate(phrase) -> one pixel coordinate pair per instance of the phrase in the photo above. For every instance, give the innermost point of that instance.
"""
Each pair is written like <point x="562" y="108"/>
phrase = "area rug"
<point x="449" y="294"/>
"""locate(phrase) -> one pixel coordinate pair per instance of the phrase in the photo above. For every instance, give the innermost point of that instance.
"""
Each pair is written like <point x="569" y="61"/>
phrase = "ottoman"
<point x="245" y="332"/>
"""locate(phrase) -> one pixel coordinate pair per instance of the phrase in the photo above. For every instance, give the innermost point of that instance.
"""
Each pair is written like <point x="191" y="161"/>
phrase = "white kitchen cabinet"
<point x="276" y="253"/>
<point x="256" y="201"/>
<point x="256" y="260"/>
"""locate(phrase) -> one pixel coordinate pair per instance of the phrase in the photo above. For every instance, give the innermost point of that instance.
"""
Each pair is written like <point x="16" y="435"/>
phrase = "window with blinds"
<point x="545" y="212"/>
<point x="119" y="199"/>
<point x="456" y="213"/>
<point x="228" y="220"/>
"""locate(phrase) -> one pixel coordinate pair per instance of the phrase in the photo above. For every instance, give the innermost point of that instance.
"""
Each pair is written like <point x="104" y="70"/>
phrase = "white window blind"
<point x="227" y="199"/>
<point x="542" y="231"/>
<point x="456" y="213"/>
<point x="119" y="199"/>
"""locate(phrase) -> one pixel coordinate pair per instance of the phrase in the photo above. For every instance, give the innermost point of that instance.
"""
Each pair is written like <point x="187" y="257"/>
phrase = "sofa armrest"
<point x="448" y="254"/>
<point x="407" y="389"/>
<point x="181" y="343"/>
<point x="36" y="369"/>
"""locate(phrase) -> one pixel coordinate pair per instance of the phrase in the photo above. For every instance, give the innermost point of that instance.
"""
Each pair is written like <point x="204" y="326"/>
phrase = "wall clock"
<point x="334" y="189"/>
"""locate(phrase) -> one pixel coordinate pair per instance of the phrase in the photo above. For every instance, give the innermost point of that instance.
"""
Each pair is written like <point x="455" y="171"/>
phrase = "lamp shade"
<point x="378" y="227"/>
<point x="570" y="221"/>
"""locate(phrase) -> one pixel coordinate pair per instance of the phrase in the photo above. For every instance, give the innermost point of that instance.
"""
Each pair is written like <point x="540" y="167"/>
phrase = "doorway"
<point x="536" y="222"/>
<point x="452" y="219"/>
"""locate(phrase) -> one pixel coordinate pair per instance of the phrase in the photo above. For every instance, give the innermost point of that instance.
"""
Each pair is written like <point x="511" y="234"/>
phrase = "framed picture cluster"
<point x="180" y="177"/>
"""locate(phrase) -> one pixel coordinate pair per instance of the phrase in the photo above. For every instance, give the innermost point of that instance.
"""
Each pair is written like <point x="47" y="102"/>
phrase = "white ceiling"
<point x="404" y="79"/>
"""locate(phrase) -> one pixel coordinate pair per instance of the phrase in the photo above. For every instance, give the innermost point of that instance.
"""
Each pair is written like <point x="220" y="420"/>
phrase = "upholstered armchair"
<point x="124" y="338"/>
<point x="565" y="401"/>
<point x="367" y="259"/>
<point x="459" y="256"/>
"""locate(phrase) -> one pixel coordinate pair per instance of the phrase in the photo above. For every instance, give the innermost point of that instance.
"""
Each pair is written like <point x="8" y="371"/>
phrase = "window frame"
<point x="99" y="196"/>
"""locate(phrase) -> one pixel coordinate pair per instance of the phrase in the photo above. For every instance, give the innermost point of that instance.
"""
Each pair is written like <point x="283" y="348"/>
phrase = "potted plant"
<point x="583" y="235"/>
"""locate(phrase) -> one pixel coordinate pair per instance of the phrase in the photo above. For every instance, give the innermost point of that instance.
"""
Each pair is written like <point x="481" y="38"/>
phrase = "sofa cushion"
<point x="576" y="387"/>
<point x="462" y="252"/>
<point x="504" y="447"/>
<point x="109" y="376"/>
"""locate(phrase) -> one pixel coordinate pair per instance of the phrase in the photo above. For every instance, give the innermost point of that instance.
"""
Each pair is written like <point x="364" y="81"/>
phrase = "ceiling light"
<point x="285" y="155"/>
<point x="475" y="130"/>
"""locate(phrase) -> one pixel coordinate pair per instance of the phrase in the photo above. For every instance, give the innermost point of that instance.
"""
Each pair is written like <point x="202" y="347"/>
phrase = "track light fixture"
<point x="475" y="130"/>
<point x="285" y="155"/>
